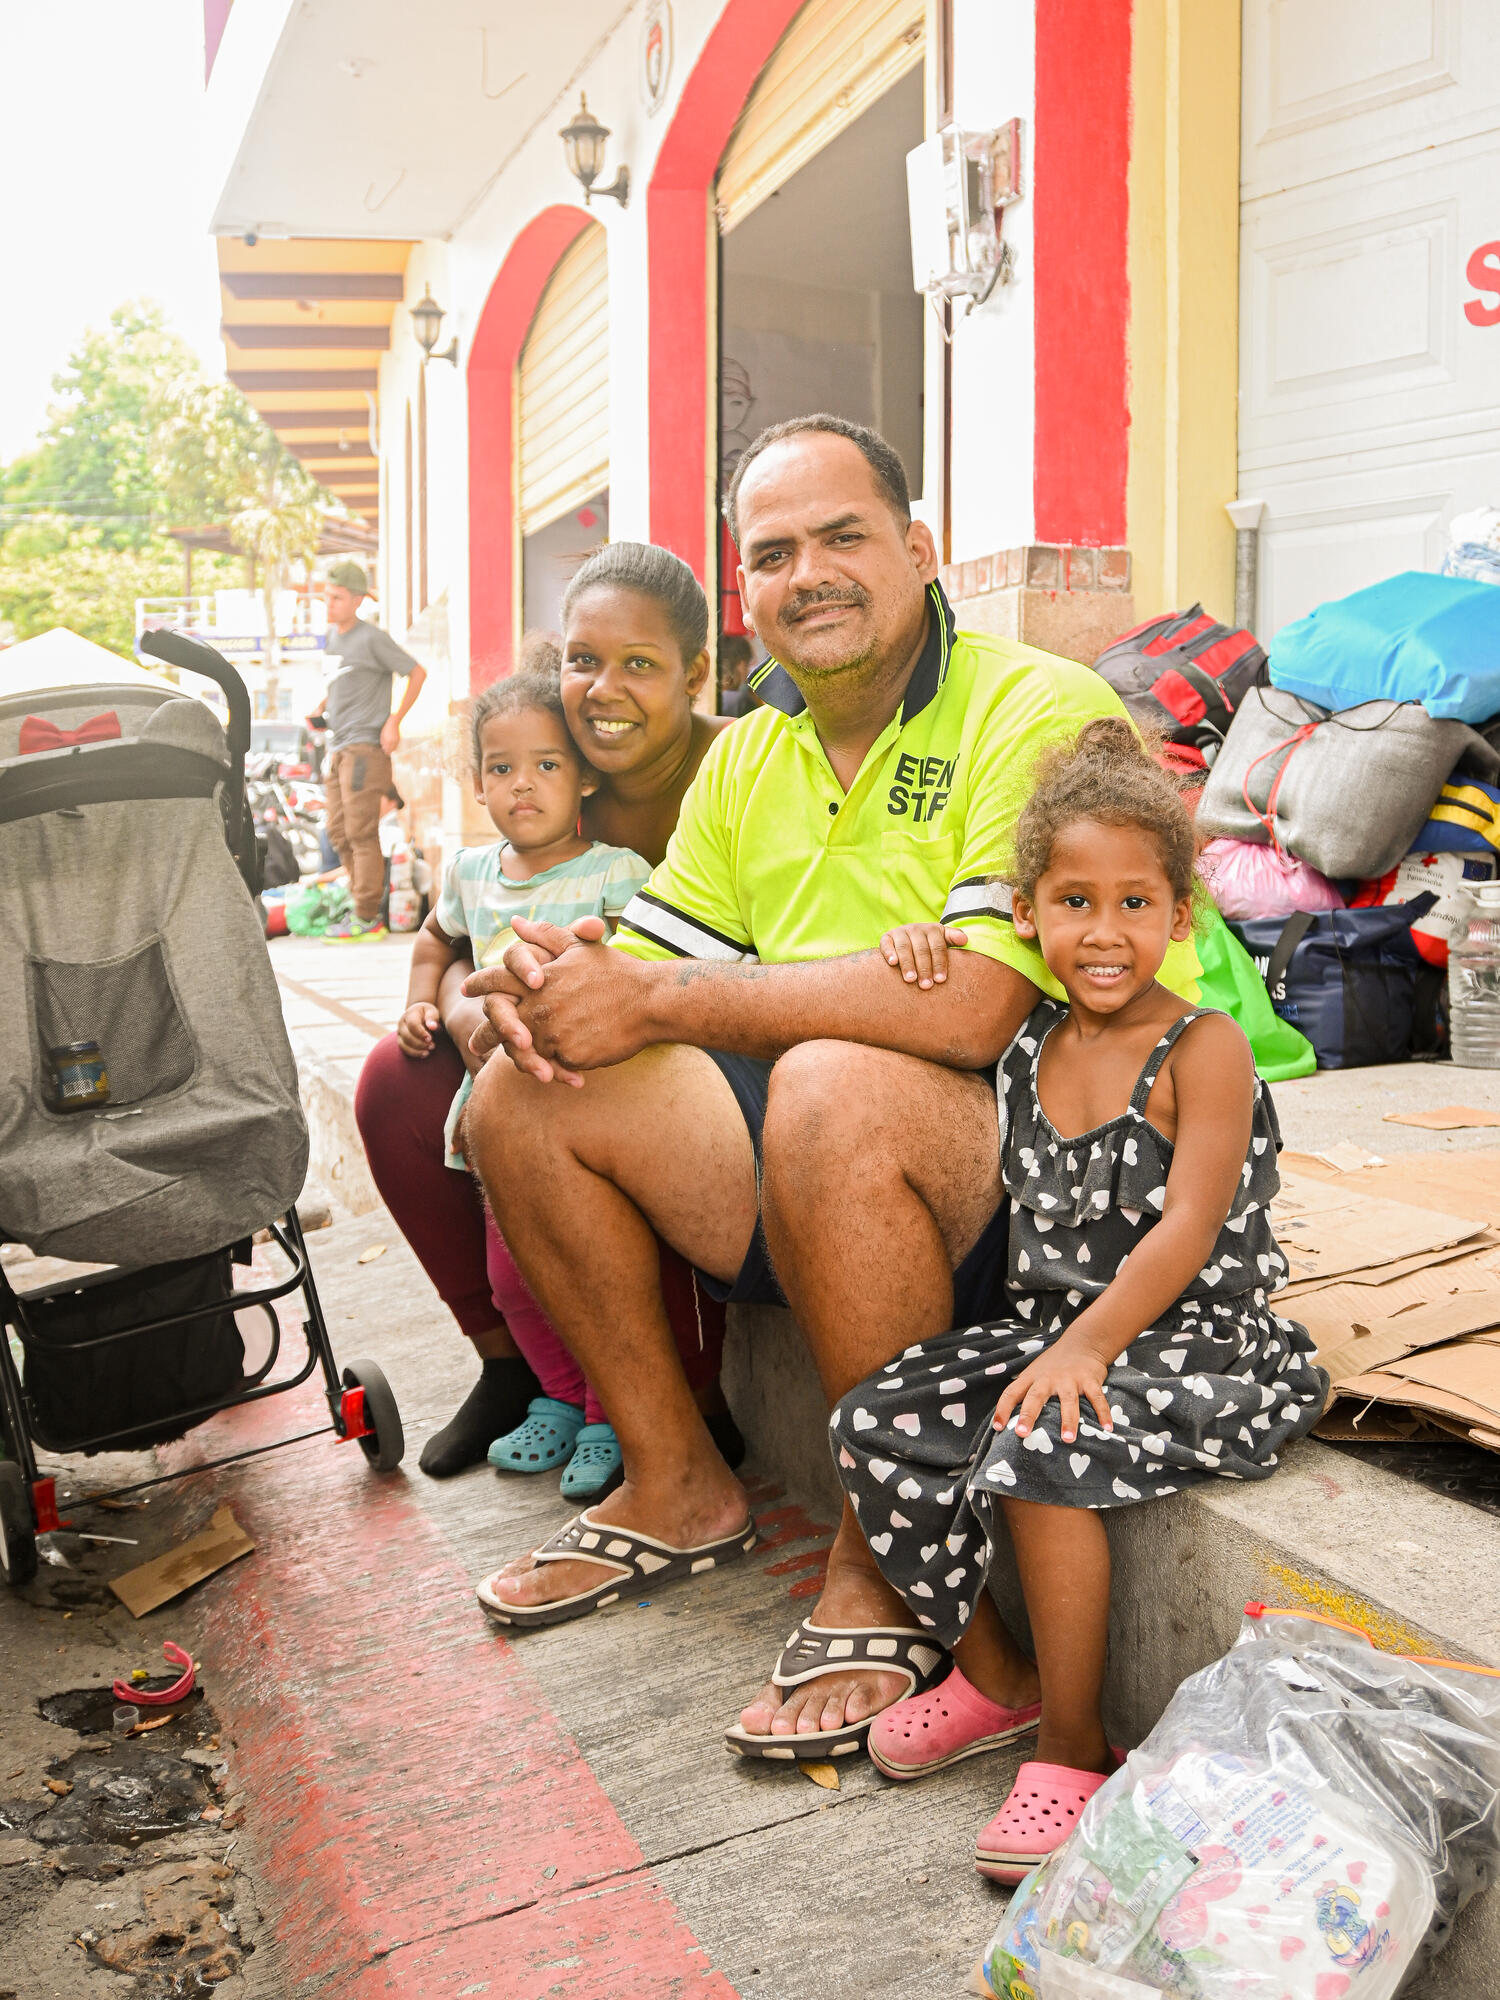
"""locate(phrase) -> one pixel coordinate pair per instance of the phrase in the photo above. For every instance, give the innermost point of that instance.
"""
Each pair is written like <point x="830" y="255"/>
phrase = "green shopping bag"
<point x="311" y="908"/>
<point x="1230" y="981"/>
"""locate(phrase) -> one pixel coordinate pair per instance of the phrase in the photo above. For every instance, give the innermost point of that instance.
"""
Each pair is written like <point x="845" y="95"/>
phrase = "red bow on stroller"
<point x="37" y="733"/>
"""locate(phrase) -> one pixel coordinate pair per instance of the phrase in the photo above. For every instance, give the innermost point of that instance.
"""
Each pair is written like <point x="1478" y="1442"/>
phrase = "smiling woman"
<point x="635" y="654"/>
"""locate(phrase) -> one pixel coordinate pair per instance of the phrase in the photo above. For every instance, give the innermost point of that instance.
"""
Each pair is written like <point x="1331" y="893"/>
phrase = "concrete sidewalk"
<point x="338" y="1000"/>
<point x="614" y="1726"/>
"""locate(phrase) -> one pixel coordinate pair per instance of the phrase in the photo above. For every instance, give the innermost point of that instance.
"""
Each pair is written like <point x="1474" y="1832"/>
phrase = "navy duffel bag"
<point x="1352" y="981"/>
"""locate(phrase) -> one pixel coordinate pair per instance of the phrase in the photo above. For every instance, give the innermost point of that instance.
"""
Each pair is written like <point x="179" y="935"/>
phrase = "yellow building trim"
<point x="1183" y="333"/>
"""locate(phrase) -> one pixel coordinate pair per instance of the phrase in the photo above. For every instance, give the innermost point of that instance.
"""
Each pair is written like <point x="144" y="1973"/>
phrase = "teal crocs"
<point x="596" y="1465"/>
<point x="544" y="1441"/>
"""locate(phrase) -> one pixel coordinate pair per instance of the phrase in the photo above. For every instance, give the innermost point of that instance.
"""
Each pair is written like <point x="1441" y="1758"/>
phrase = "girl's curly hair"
<point x="1107" y="774"/>
<point x="532" y="688"/>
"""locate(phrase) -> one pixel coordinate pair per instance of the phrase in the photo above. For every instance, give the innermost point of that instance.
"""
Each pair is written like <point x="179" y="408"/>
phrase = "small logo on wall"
<point x="656" y="55"/>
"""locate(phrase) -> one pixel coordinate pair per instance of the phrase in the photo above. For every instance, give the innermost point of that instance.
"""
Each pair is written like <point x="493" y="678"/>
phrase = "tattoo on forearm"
<point x="693" y="970"/>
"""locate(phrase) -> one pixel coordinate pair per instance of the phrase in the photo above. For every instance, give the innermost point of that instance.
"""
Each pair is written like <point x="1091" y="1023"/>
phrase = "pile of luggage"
<point x="1349" y="799"/>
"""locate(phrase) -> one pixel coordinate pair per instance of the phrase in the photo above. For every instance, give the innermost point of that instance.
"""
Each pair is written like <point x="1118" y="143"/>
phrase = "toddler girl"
<point x="531" y="779"/>
<point x="1140" y="1355"/>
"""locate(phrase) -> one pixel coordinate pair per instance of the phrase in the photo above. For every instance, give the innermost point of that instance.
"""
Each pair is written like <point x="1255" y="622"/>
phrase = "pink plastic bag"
<point x="1248" y="880"/>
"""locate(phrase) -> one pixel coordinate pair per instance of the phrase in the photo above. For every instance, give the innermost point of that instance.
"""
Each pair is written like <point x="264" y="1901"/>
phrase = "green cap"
<point x="349" y="576"/>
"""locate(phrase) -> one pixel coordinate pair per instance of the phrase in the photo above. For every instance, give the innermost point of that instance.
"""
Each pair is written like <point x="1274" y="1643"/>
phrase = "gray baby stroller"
<point x="149" y="1117"/>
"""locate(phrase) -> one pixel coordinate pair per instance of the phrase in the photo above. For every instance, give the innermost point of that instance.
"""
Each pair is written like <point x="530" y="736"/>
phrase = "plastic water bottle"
<point x="1474" y="983"/>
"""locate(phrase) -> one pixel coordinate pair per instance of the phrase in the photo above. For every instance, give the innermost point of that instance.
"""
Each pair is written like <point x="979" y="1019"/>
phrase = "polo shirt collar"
<point x="778" y="690"/>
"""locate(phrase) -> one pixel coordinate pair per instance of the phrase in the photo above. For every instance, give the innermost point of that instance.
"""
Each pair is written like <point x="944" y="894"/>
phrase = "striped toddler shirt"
<point x="480" y="901"/>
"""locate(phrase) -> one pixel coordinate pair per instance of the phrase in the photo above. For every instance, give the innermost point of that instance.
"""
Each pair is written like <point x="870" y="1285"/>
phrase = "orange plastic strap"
<point x="1267" y="819"/>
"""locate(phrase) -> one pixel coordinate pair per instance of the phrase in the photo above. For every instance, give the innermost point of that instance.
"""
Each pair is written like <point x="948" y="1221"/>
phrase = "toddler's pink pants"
<point x="400" y="1106"/>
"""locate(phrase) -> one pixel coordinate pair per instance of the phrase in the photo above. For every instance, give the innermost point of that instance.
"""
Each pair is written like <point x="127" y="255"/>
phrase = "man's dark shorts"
<point x="978" y="1283"/>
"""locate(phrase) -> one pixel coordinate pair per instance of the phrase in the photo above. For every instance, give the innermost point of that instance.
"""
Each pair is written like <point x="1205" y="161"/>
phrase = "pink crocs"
<point x="1040" y="1813"/>
<point x="928" y="1732"/>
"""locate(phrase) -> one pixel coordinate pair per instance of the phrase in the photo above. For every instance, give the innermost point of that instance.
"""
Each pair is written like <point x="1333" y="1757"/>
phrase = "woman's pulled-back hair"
<point x="514" y="695"/>
<point x="650" y="572"/>
<point x="1108" y="774"/>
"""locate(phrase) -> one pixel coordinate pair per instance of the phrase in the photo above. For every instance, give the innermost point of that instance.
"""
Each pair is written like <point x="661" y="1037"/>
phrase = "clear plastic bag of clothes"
<point x="1304" y="1823"/>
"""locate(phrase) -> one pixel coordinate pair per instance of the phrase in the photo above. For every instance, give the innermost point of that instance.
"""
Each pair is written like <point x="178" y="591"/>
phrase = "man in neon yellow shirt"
<point x="880" y="784"/>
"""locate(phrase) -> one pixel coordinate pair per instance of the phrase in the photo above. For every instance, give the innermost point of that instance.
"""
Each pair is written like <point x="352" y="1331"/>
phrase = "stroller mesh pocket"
<point x="128" y="1007"/>
<point x="149" y="1378"/>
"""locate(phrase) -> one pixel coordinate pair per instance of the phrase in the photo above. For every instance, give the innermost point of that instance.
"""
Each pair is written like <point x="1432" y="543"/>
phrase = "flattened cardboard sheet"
<point x="1383" y="1343"/>
<point x="1358" y="1283"/>
<point x="155" y="1583"/>
<point x="1459" y="1413"/>
<point x="1453" y="1181"/>
<point x="1328" y="1233"/>
<point x="1379" y="1423"/>
<point x="1449" y="1118"/>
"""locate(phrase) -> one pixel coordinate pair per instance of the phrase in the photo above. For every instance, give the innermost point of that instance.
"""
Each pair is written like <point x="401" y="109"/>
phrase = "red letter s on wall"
<point x="1483" y="273"/>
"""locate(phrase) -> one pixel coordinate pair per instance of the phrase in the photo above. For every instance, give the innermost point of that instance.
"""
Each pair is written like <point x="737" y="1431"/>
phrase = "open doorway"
<point x="816" y="306"/>
<point x="551" y="555"/>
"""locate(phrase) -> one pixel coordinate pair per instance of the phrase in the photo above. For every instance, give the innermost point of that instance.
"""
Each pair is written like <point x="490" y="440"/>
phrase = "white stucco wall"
<point x="994" y="347"/>
<point x="427" y="634"/>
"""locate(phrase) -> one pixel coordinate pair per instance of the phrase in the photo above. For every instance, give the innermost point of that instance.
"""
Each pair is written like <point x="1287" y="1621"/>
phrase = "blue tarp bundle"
<point x="1414" y="637"/>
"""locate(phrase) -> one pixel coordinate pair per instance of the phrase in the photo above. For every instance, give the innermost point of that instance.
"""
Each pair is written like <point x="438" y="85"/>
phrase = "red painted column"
<point x="493" y="355"/>
<point x="1080" y="166"/>
<point x="678" y="250"/>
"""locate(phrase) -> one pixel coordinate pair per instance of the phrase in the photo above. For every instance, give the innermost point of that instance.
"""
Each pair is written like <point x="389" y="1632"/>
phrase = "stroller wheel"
<point x="17" y="1533"/>
<point x="384" y="1444"/>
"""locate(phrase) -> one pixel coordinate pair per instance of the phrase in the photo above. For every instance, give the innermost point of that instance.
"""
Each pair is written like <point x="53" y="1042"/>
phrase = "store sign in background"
<point x="1483" y="273"/>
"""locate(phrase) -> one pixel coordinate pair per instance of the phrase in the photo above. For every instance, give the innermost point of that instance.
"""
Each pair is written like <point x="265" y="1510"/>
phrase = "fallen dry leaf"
<point x="368" y="1256"/>
<point x="156" y="1722"/>
<point x="821" y="1774"/>
<point x="58" y="1785"/>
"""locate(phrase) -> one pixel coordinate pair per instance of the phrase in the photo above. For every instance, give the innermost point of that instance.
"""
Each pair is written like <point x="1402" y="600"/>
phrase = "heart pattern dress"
<point x="1215" y="1390"/>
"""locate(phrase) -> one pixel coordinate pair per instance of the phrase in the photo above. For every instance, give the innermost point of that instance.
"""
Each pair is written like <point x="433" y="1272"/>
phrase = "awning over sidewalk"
<point x="305" y="322"/>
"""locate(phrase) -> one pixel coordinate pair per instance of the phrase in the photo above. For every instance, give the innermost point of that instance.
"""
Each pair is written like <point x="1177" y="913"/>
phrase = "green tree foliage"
<point x="54" y="571"/>
<point x="138" y="441"/>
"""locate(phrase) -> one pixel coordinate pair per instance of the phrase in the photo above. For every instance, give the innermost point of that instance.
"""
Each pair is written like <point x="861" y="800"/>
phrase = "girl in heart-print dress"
<point x="1014" y="1427"/>
<point x="1214" y="1389"/>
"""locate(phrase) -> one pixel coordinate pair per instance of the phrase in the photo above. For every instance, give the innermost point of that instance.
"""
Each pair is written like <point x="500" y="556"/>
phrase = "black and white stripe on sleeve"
<point x="683" y="935"/>
<point x="980" y="896"/>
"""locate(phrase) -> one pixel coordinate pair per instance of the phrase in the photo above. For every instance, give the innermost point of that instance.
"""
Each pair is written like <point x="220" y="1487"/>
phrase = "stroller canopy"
<point x="124" y="921"/>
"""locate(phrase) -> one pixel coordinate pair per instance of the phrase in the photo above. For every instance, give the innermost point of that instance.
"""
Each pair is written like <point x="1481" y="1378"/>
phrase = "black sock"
<point x="496" y="1404"/>
<point x="725" y="1433"/>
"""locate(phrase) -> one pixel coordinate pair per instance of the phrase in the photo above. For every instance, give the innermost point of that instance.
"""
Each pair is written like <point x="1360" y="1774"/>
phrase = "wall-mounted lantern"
<point x="584" y="143"/>
<point x="427" y="318"/>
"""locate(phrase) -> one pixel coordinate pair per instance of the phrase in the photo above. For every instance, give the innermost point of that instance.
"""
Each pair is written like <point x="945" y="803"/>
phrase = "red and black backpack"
<point x="1183" y="676"/>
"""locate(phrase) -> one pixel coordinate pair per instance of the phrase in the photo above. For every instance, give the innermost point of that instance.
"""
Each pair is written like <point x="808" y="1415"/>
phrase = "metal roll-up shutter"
<point x="832" y="63"/>
<point x="563" y="392"/>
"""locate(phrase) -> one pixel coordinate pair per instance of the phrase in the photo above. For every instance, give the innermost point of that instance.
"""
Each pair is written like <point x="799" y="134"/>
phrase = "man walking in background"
<point x="362" y="733"/>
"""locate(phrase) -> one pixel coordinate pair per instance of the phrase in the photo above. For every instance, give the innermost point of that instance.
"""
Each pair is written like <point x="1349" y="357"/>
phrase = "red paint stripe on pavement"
<point x="408" y="1787"/>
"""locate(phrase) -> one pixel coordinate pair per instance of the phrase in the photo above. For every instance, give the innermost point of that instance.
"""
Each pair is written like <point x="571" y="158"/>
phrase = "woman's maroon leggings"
<point x="400" y="1105"/>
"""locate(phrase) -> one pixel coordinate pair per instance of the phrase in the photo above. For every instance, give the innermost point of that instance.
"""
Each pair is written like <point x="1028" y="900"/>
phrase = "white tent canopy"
<point x="61" y="659"/>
